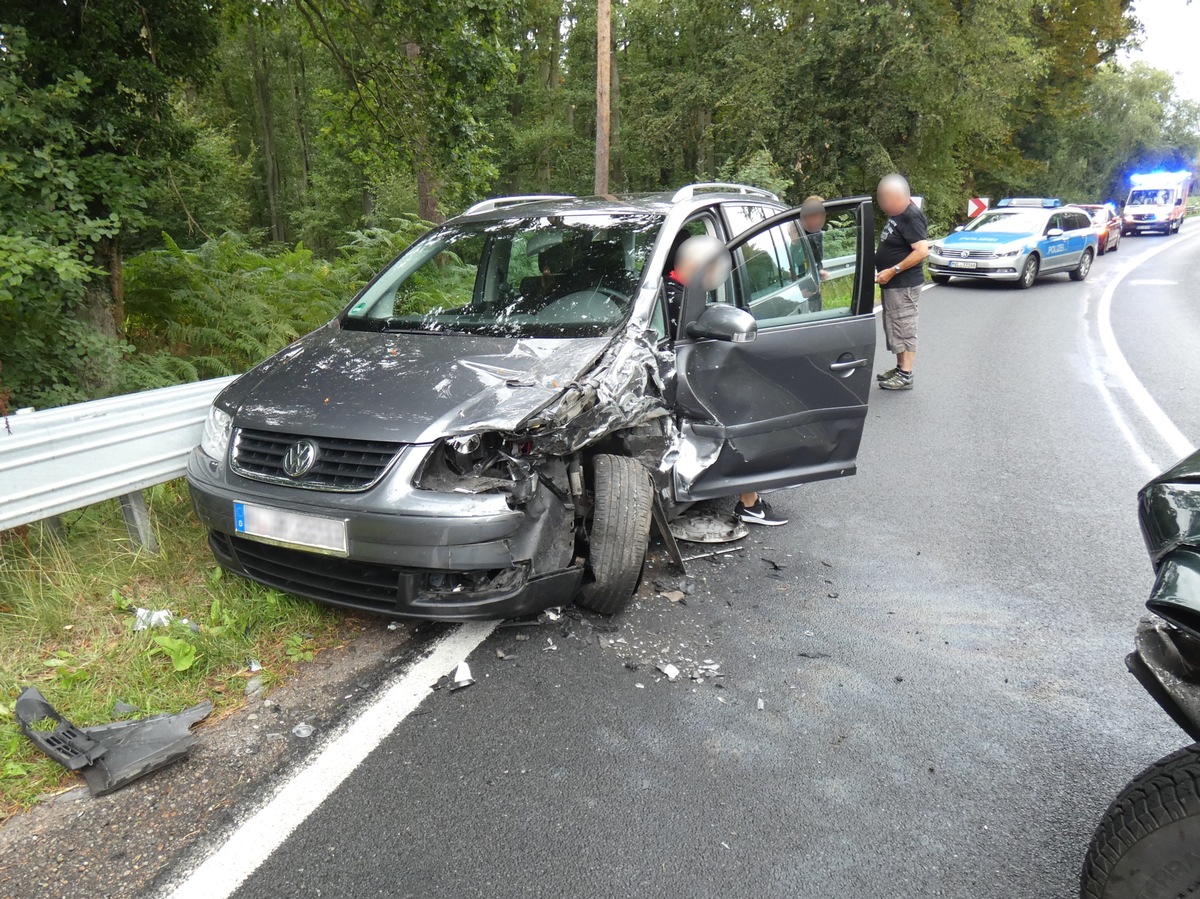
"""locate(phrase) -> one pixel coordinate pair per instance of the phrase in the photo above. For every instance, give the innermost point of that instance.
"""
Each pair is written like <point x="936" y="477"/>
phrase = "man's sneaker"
<point x="883" y="376"/>
<point x="897" y="381"/>
<point x="759" y="513"/>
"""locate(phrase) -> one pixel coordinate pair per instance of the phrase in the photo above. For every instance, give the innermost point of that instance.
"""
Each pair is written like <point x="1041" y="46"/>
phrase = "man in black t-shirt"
<point x="900" y="272"/>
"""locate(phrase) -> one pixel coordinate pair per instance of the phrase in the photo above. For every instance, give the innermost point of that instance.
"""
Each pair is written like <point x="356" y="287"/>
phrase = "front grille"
<point x="1143" y="218"/>
<point x="343" y="465"/>
<point x="360" y="585"/>
<point x="970" y="254"/>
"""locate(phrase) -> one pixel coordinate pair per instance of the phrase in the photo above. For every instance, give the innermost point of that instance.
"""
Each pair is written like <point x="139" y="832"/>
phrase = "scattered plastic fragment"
<point x="504" y="656"/>
<point x="675" y="596"/>
<point x="147" y="618"/>
<point x="522" y="637"/>
<point x="669" y="670"/>
<point x="394" y="626"/>
<point x="121" y="707"/>
<point x="255" y="687"/>
<point x="761" y="705"/>
<point x="640" y="686"/>
<point x="462" y="677"/>
<point x="554" y="614"/>
<point x="775" y="566"/>
<point x="551" y="647"/>
<point x="254" y="665"/>
<point x="687" y="585"/>
<point x="109" y="756"/>
<point x="303" y="730"/>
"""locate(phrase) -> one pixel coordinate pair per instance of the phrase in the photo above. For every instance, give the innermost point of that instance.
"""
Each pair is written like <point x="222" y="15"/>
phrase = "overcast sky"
<point x="1172" y="30"/>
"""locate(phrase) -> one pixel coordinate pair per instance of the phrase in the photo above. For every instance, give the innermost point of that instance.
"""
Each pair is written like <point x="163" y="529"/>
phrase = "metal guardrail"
<point x="840" y="266"/>
<point x="63" y="459"/>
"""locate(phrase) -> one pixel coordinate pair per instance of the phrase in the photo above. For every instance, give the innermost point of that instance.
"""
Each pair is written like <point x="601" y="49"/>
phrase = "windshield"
<point x="559" y="276"/>
<point x="1149" y="198"/>
<point x="1008" y="222"/>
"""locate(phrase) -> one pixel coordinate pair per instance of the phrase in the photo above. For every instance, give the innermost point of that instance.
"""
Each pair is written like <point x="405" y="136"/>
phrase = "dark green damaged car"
<point x="1148" y="843"/>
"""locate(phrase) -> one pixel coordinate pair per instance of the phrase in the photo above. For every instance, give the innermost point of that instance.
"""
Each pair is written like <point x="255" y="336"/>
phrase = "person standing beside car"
<point x="812" y="220"/>
<point x="900" y="273"/>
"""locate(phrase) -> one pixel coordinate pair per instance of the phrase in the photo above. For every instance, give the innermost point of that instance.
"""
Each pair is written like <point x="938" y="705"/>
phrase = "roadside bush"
<point x="224" y="306"/>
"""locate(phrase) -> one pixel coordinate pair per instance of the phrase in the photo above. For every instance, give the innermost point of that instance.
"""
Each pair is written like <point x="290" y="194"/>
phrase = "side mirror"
<point x="960" y="227"/>
<point x="724" y="322"/>
<point x="1179" y="201"/>
<point x="1054" y="232"/>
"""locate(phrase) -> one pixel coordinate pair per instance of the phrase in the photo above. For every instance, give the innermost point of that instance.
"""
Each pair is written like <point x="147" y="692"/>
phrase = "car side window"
<point x="1081" y="221"/>
<point x="779" y="280"/>
<point x="1056" y="221"/>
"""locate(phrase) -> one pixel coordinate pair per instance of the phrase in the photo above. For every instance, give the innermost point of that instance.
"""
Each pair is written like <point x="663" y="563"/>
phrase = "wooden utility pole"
<point x="603" y="91"/>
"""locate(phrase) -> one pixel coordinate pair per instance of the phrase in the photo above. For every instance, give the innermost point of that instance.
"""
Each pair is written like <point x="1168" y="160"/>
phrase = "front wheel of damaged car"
<point x="1148" y="843"/>
<point x="1029" y="273"/>
<point x="619" y="533"/>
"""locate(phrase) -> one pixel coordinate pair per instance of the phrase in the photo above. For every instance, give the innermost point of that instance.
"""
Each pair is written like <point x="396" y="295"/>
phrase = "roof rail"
<point x="690" y="190"/>
<point x="504" y="202"/>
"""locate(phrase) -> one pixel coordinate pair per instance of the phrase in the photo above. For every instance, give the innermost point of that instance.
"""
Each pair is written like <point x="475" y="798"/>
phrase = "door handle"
<point x="848" y="366"/>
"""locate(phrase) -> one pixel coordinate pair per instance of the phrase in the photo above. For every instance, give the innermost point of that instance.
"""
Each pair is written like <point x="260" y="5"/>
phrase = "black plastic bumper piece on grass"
<point x="109" y="756"/>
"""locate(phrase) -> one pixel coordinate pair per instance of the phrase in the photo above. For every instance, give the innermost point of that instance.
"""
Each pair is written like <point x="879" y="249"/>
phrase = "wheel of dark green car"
<point x="619" y="533"/>
<point x="1085" y="265"/>
<point x="1029" y="273"/>
<point x="940" y="279"/>
<point x="1148" y="843"/>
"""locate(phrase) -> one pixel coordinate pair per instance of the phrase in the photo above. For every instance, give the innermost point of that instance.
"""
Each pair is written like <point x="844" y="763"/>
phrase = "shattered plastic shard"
<point x="145" y="618"/>
<point x="462" y="677"/>
<point x="303" y="730"/>
<point x="669" y="670"/>
<point x="761" y="705"/>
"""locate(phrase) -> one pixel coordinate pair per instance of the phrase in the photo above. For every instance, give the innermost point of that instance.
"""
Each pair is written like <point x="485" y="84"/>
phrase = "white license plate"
<point x="954" y="263"/>
<point x="278" y="526"/>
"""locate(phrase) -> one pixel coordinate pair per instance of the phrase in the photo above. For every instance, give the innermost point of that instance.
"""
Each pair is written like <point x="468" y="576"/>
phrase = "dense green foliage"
<point x="187" y="185"/>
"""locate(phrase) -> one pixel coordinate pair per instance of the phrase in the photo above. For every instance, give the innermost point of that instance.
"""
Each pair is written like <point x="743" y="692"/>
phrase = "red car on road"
<point x="1108" y="225"/>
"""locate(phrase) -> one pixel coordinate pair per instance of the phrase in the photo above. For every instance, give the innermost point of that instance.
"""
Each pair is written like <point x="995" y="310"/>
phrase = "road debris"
<point x="555" y="614"/>
<point x="701" y="527"/>
<point x="303" y="731"/>
<point x="109" y="756"/>
<point x="669" y="670"/>
<point x="761" y="705"/>
<point x="256" y="687"/>
<point x="504" y="656"/>
<point x="552" y="647"/>
<point x="147" y="618"/>
<point x="121" y="707"/>
<point x="640" y="686"/>
<point x="775" y="566"/>
<point x="394" y="626"/>
<point x="462" y="677"/>
<point x="254" y="665"/>
<point x="675" y="596"/>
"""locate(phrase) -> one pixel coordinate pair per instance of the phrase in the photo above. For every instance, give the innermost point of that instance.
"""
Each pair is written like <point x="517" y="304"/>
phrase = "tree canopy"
<point x="159" y="157"/>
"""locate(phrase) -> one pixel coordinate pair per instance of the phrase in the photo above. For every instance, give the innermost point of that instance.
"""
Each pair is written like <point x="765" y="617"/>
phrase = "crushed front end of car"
<point x="431" y="460"/>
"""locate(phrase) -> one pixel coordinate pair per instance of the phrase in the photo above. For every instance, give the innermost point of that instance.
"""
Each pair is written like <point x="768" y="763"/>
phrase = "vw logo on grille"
<point x="299" y="459"/>
<point x="966" y="254"/>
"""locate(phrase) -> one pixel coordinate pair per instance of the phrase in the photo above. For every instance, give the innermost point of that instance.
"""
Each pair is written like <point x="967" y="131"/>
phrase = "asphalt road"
<point x="924" y="692"/>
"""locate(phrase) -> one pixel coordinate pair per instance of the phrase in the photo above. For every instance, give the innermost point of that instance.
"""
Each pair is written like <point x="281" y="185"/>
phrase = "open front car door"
<point x="774" y="368"/>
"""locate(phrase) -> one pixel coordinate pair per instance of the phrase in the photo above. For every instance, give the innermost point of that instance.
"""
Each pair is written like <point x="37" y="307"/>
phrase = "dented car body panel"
<point x="1167" y="657"/>
<point x="441" y="450"/>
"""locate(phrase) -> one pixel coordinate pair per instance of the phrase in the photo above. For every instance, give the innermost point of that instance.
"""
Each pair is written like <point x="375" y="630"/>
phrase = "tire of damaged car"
<point x="619" y="533"/>
<point x="1148" y="843"/>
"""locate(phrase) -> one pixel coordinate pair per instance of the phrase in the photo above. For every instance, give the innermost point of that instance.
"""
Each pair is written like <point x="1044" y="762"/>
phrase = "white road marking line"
<point x="1118" y="365"/>
<point x="258" y="836"/>
<point x="1153" y="282"/>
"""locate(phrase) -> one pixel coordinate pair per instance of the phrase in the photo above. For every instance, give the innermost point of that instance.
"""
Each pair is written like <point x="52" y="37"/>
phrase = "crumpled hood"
<point x="407" y="388"/>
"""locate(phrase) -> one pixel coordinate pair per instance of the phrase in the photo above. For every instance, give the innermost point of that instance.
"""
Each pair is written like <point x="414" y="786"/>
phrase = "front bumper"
<point x="1005" y="268"/>
<point x="1138" y="227"/>
<point x="411" y="553"/>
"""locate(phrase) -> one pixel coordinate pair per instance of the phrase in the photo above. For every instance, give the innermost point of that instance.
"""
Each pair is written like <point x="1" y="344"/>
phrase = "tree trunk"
<point x="262" y="99"/>
<point x="603" y="90"/>
<point x="618" y="155"/>
<point x="428" y="183"/>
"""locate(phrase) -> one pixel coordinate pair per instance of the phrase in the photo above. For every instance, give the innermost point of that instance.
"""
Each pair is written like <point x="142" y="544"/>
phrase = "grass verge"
<point x="66" y="626"/>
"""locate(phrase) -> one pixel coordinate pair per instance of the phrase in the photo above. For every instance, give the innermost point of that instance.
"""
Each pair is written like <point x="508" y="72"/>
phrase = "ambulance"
<point x="1157" y="202"/>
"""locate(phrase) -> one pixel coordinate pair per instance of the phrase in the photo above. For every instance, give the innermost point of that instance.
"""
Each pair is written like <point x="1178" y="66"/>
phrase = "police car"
<point x="1018" y="240"/>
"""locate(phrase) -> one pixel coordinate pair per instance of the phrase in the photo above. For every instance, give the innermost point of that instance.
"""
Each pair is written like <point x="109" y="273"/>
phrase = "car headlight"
<point x="1000" y="254"/>
<point x="218" y="428"/>
<point x="937" y="248"/>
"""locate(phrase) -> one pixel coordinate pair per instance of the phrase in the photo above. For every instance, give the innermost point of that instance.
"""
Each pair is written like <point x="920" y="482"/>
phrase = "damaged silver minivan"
<point x="495" y="422"/>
